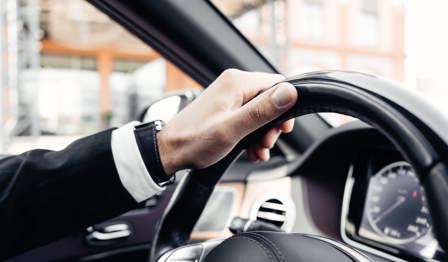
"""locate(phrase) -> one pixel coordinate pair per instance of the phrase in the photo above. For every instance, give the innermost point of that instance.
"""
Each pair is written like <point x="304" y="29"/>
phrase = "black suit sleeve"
<point x="45" y="195"/>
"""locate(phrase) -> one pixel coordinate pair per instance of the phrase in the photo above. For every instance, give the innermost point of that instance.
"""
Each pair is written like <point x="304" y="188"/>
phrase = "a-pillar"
<point x="104" y="63"/>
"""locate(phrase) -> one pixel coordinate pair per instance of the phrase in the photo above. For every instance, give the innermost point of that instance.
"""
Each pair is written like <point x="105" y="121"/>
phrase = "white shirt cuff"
<point x="129" y="163"/>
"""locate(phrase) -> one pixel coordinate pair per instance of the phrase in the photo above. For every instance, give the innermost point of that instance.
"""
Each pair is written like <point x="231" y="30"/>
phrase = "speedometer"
<point x="396" y="206"/>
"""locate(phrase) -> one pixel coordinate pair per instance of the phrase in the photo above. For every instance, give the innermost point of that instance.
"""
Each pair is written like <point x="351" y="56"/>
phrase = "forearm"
<point x="45" y="195"/>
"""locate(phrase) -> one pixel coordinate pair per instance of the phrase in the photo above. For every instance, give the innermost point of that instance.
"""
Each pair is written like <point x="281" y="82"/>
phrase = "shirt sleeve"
<point x="130" y="165"/>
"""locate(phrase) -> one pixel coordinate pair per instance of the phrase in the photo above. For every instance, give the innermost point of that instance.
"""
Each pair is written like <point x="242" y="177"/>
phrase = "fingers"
<point x="270" y="138"/>
<point x="263" y="154"/>
<point x="263" y="109"/>
<point x="260" y="151"/>
<point x="255" y="85"/>
<point x="256" y="153"/>
<point x="249" y="83"/>
<point x="287" y="126"/>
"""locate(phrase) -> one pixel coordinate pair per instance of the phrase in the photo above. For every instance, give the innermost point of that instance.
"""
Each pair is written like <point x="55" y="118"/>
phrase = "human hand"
<point x="227" y="111"/>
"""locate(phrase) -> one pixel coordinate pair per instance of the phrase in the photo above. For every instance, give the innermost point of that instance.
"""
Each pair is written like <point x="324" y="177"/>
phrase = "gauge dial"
<point x="396" y="205"/>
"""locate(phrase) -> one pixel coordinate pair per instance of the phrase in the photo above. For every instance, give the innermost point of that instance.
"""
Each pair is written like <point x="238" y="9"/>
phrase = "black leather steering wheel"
<point x="418" y="131"/>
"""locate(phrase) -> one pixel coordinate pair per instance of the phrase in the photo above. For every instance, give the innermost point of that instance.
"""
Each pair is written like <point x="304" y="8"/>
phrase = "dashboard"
<point x="365" y="194"/>
<point x="385" y="210"/>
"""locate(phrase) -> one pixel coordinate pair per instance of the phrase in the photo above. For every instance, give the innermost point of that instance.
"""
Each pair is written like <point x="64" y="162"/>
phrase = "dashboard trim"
<point x="351" y="252"/>
<point x="238" y="190"/>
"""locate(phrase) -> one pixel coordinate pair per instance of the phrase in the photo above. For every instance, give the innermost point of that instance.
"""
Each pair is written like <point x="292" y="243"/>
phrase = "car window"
<point x="381" y="37"/>
<point x="67" y="70"/>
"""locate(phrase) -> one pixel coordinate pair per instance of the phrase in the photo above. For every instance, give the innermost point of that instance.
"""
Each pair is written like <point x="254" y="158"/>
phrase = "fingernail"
<point x="282" y="96"/>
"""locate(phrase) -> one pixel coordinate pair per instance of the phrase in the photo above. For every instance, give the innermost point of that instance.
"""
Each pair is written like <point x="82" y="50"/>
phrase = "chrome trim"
<point x="343" y="248"/>
<point x="290" y="210"/>
<point x="190" y="253"/>
<point x="247" y="225"/>
<point x="109" y="232"/>
<point x="271" y="216"/>
<point x="274" y="206"/>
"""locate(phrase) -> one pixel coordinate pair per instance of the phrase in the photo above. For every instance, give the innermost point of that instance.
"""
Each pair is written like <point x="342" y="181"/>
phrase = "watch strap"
<point x="146" y="137"/>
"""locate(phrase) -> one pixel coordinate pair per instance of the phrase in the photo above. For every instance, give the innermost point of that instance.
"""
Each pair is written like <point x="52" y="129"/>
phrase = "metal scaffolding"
<point x="2" y="74"/>
<point x="19" y="52"/>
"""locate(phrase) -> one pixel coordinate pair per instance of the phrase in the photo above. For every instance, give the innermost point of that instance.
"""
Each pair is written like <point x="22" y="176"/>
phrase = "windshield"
<point x="395" y="39"/>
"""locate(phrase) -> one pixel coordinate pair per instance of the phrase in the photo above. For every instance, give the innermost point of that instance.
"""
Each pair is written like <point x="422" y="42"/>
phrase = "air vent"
<point x="272" y="211"/>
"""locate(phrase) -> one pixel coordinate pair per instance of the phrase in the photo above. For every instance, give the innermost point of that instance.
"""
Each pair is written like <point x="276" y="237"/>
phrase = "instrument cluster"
<point x="386" y="211"/>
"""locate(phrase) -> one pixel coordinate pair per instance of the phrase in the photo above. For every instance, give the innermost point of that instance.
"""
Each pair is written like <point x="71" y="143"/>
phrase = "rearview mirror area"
<point x="168" y="106"/>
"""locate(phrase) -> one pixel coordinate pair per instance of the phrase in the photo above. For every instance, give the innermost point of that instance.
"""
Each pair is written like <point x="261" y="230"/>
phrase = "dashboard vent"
<point x="272" y="211"/>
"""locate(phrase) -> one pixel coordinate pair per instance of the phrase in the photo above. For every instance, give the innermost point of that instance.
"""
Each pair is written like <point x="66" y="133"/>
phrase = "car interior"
<point x="372" y="189"/>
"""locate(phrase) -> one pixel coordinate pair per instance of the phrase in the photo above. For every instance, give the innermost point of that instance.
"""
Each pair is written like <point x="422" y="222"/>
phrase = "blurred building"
<point x="307" y="35"/>
<point x="67" y="69"/>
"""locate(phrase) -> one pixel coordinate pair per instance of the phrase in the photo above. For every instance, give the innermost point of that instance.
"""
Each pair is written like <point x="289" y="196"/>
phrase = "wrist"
<point x="166" y="151"/>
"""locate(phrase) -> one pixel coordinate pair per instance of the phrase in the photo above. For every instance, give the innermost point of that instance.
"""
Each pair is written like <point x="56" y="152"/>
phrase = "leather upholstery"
<point x="277" y="247"/>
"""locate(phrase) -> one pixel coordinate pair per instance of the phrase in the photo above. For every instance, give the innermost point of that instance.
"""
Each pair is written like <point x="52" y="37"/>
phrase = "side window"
<point x="70" y="72"/>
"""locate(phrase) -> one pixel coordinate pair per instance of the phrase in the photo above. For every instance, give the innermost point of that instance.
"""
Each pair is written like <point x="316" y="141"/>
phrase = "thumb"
<point x="265" y="107"/>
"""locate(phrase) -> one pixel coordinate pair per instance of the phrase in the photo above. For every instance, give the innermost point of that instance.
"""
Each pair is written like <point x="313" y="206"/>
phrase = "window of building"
<point x="368" y="27"/>
<point x="67" y="61"/>
<point x="370" y="7"/>
<point x="311" y="17"/>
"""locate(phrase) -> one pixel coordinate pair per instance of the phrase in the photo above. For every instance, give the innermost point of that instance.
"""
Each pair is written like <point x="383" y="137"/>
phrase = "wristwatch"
<point x="146" y="136"/>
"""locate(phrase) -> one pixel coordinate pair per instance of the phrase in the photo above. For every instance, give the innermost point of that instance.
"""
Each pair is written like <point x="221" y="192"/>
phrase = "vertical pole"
<point x="2" y="76"/>
<point x="344" y="25"/>
<point x="274" y="44"/>
<point x="104" y="62"/>
<point x="11" y="44"/>
<point x="32" y="17"/>
<point x="399" y="42"/>
<point x="288" y="42"/>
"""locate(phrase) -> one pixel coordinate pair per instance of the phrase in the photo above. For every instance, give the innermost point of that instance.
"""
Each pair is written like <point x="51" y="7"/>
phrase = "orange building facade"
<point x="105" y="57"/>
<point x="307" y="35"/>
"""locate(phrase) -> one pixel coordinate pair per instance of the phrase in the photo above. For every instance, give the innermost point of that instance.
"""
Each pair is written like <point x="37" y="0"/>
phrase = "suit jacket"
<point x="45" y="195"/>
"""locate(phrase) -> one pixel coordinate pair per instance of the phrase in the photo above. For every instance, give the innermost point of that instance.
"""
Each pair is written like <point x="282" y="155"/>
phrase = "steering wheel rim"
<point x="416" y="129"/>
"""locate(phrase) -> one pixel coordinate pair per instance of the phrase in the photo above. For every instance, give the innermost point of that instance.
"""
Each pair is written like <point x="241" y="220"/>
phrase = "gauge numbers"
<point x="396" y="206"/>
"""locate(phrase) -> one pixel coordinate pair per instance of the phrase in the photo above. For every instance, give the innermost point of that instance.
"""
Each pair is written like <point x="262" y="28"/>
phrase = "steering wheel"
<point x="418" y="131"/>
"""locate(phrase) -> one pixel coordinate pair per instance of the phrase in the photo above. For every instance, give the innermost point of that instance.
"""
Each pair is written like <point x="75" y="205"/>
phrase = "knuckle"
<point x="230" y="74"/>
<point x="231" y="71"/>
<point x="230" y="80"/>
<point x="278" y="77"/>
<point x="256" y="114"/>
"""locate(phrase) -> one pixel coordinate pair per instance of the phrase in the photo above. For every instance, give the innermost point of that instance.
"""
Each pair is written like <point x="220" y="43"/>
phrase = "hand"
<point x="227" y="111"/>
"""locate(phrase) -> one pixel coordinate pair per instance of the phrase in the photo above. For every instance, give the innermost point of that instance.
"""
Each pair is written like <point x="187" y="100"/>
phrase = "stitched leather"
<point x="275" y="247"/>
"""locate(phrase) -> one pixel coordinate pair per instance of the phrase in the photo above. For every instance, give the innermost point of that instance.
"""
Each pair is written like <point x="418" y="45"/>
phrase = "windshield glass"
<point x="395" y="39"/>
